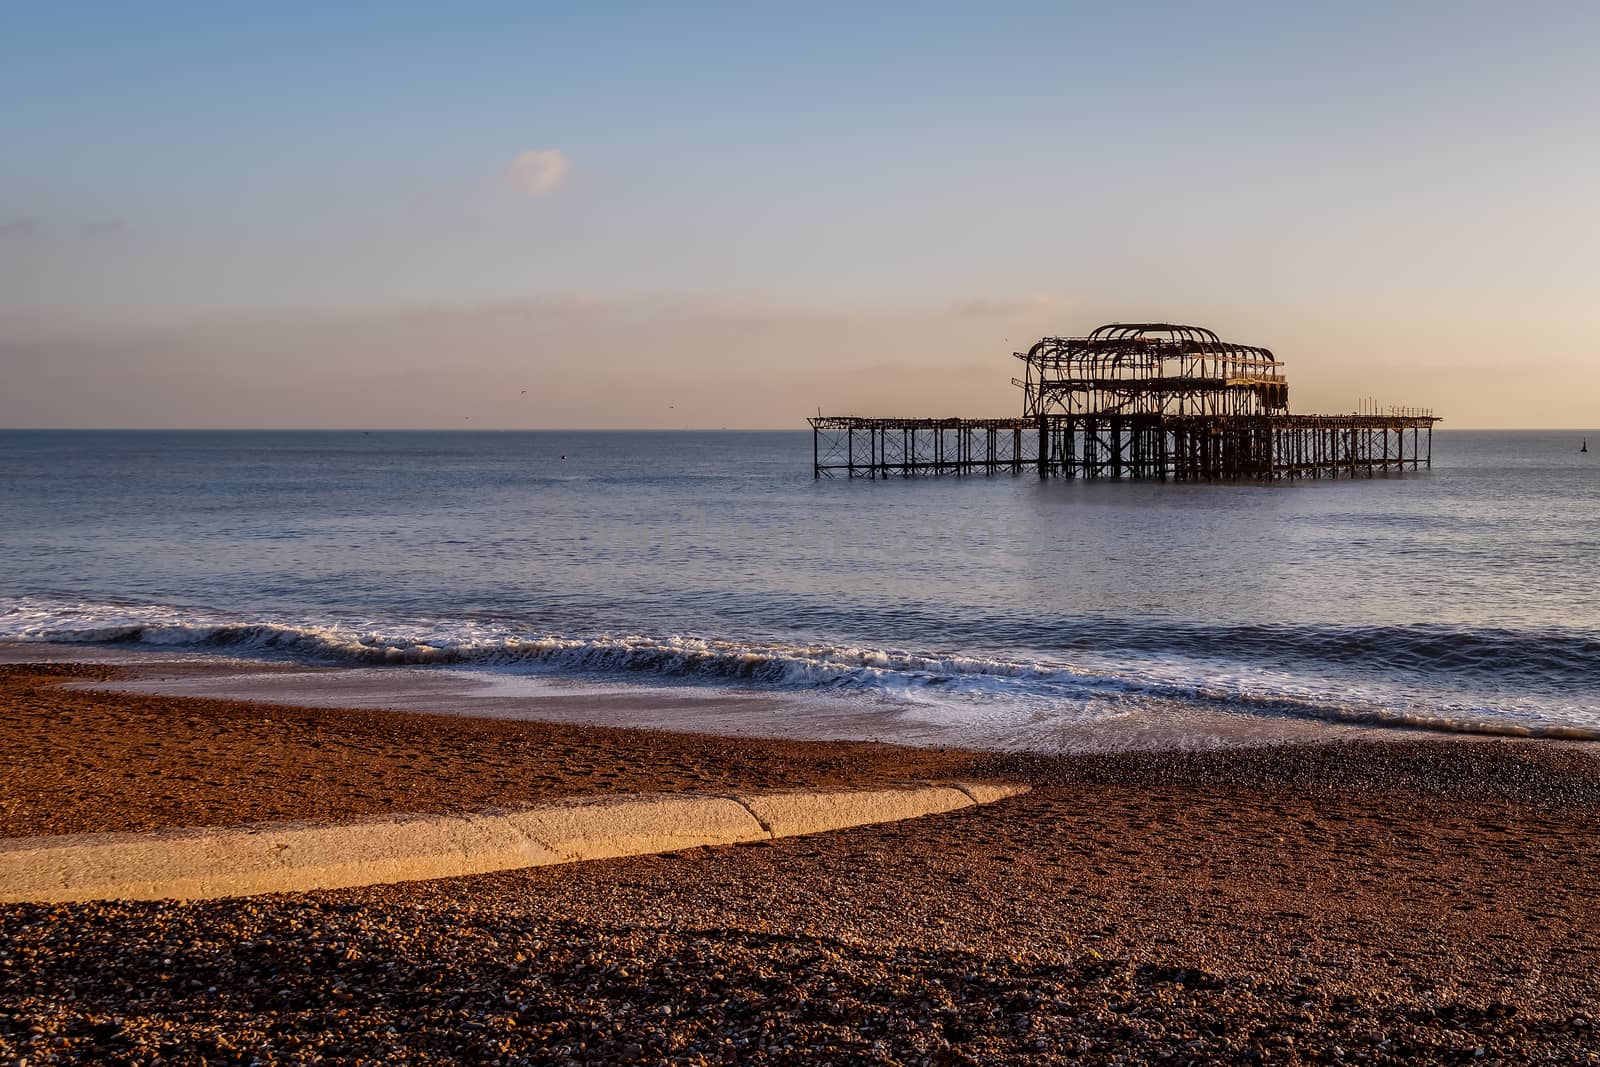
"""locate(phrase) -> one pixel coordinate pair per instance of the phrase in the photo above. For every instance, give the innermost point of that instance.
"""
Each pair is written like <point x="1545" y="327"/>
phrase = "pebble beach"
<point x="1357" y="902"/>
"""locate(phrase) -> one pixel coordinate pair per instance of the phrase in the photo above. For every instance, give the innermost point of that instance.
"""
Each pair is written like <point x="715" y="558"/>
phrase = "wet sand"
<point x="640" y="703"/>
<point x="1406" y="901"/>
<point x="83" y="761"/>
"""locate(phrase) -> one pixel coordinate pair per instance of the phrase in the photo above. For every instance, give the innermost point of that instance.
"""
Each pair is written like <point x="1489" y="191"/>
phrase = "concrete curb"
<point x="295" y="857"/>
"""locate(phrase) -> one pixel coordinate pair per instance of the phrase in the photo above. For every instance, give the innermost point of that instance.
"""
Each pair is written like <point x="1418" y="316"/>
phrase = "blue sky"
<point x="1367" y="189"/>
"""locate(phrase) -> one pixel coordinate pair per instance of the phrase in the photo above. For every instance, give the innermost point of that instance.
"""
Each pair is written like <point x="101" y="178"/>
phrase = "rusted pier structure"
<point x="1149" y="400"/>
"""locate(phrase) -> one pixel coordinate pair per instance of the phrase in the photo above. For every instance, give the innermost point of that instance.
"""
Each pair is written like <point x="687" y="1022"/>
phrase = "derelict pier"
<point x="1143" y="400"/>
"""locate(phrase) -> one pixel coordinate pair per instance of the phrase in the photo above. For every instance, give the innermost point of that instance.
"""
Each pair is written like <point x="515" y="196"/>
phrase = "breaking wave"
<point x="1079" y="673"/>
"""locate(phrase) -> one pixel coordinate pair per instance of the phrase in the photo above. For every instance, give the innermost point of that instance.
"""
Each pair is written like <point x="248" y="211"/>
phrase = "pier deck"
<point x="1159" y="447"/>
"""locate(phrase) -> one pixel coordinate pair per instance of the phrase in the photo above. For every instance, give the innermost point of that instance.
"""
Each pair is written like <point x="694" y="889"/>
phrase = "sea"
<point x="1006" y="609"/>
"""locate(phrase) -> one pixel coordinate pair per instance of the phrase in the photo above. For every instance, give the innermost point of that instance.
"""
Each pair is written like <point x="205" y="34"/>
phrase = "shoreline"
<point x="677" y="706"/>
<point x="97" y="747"/>
<point x="1286" y="903"/>
<point x="77" y="760"/>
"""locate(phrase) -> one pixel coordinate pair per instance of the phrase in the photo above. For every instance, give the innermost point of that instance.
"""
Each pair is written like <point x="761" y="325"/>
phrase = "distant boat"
<point x="1585" y="447"/>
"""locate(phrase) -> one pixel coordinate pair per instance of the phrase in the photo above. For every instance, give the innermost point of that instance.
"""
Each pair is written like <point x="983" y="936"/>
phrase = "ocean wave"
<point x="473" y="643"/>
<point x="1084" y="675"/>
<point x="1551" y="658"/>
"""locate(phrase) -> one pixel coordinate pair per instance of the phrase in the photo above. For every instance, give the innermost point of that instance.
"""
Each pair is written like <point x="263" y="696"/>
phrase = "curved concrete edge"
<point x="606" y="827"/>
<point x="265" y="858"/>
<point x="989" y="792"/>
<point x="790" y="814"/>
<point x="296" y="857"/>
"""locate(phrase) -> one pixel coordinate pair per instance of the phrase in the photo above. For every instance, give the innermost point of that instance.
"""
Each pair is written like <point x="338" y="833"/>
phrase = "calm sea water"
<point x="1467" y="598"/>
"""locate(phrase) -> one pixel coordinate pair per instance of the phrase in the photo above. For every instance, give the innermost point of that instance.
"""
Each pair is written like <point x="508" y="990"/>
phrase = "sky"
<point x="603" y="215"/>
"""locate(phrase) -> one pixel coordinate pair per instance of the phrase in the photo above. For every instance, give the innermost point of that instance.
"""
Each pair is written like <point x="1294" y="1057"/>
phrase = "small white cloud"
<point x="538" y="171"/>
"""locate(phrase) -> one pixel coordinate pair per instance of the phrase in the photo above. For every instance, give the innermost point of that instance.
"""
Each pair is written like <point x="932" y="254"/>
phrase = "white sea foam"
<point x="945" y="684"/>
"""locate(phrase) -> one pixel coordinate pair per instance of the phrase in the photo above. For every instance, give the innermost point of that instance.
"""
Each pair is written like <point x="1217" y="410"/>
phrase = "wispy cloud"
<point x="102" y="228"/>
<point x="538" y="171"/>
<point x="26" y="228"/>
<point x="714" y="360"/>
<point x="18" y="229"/>
<point x="983" y="307"/>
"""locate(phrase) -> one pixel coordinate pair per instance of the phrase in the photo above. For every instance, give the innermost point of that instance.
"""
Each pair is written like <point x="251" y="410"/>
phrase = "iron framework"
<point x="1150" y="368"/>
<point x="1136" y="400"/>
